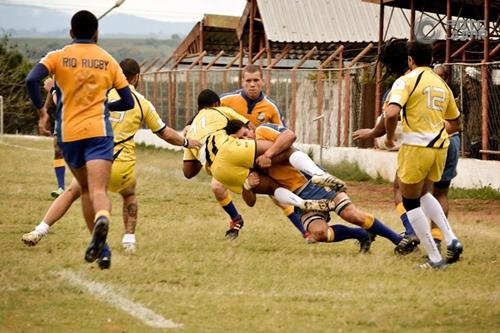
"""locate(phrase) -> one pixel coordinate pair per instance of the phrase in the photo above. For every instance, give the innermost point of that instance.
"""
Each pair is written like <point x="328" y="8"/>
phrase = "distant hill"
<point x="26" y="21"/>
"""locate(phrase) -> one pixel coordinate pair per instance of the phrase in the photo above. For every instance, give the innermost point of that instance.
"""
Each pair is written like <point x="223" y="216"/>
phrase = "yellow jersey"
<point x="84" y="73"/>
<point x="426" y="102"/>
<point x="208" y="127"/>
<point x="285" y="174"/>
<point x="126" y="124"/>
<point x="259" y="111"/>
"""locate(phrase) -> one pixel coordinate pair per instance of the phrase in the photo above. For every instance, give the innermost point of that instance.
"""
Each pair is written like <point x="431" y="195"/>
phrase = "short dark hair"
<point x="130" y="68"/>
<point x="234" y="126"/>
<point x="394" y="57"/>
<point x="252" y="69"/>
<point x="420" y="52"/>
<point x="84" y="24"/>
<point x="208" y="98"/>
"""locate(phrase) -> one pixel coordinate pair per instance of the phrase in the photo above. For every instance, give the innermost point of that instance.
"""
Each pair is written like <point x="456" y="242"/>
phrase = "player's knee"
<point x="319" y="230"/>
<point x="218" y="190"/>
<point x="132" y="209"/>
<point x="410" y="204"/>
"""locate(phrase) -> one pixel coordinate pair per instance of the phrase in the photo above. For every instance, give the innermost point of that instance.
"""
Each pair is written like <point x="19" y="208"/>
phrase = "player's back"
<point x="427" y="101"/>
<point x="84" y="73"/>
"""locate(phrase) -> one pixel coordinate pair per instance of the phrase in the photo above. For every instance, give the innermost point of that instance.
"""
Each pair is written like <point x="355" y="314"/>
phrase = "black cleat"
<point x="407" y="245"/>
<point x="104" y="260"/>
<point x="99" y="234"/>
<point x="234" y="227"/>
<point x="365" y="244"/>
<point x="453" y="251"/>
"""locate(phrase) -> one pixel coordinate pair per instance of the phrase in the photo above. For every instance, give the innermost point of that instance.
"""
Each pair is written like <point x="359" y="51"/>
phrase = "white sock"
<point x="128" y="238"/>
<point x="42" y="228"/>
<point x="422" y="228"/>
<point x="301" y="161"/>
<point x="287" y="197"/>
<point x="434" y="211"/>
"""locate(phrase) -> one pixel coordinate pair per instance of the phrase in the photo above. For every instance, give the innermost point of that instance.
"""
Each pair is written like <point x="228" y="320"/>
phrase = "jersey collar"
<point x="83" y="41"/>
<point x="252" y="102"/>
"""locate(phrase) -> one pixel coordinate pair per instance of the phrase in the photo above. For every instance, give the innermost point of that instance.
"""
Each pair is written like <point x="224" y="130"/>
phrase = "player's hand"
<point x="263" y="161"/>
<point x="192" y="143"/>
<point x="389" y="144"/>
<point x="362" y="134"/>
<point x="252" y="181"/>
<point x="44" y="122"/>
<point x="48" y="85"/>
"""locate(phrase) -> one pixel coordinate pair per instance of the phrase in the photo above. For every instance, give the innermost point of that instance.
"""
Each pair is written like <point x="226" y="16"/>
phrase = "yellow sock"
<point x="225" y="201"/>
<point x="59" y="162"/>
<point x="288" y="210"/>
<point x="102" y="213"/>
<point x="369" y="219"/>
<point x="400" y="208"/>
<point x="330" y="235"/>
<point x="436" y="233"/>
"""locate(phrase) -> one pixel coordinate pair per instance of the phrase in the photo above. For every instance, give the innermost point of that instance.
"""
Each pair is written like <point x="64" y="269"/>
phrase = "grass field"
<point x="267" y="280"/>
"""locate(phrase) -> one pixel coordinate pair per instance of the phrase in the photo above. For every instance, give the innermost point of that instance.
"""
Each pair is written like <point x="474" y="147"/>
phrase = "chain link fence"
<point x="327" y="105"/>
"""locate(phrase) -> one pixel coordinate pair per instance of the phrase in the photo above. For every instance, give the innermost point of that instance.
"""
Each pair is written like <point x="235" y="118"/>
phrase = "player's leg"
<point x="130" y="214"/>
<point x="316" y="224"/>
<point x="414" y="164"/>
<point x="56" y="210"/>
<point x="59" y="169"/>
<point x="400" y="209"/>
<point x="225" y="201"/>
<point x="294" y="218"/>
<point x="350" y="213"/>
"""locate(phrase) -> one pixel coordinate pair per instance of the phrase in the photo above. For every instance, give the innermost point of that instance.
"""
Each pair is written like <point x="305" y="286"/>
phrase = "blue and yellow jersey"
<point x="208" y="127"/>
<point x="84" y="73"/>
<point x="259" y="111"/>
<point x="284" y="174"/>
<point x="126" y="124"/>
<point x="426" y="101"/>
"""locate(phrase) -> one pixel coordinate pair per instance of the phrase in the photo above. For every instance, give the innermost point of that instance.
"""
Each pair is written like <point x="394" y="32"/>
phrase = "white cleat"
<point x="129" y="248"/>
<point x="32" y="238"/>
<point x="329" y="181"/>
<point x="322" y="205"/>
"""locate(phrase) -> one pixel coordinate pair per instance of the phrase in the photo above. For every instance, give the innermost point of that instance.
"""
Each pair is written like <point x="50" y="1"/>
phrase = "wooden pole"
<point x="485" y="83"/>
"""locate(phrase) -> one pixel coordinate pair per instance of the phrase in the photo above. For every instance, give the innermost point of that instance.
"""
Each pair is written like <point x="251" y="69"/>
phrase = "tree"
<point x="19" y="115"/>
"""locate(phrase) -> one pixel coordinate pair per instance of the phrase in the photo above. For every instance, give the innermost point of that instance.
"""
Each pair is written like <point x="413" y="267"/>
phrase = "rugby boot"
<point x="329" y="181"/>
<point x="99" y="234"/>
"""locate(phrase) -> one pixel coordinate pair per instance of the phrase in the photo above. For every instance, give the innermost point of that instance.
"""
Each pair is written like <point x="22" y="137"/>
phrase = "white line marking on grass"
<point x="24" y="147"/>
<point x="106" y="294"/>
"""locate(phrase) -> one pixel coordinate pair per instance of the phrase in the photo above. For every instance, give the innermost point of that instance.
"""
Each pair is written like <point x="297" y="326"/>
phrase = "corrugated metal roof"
<point x="328" y="21"/>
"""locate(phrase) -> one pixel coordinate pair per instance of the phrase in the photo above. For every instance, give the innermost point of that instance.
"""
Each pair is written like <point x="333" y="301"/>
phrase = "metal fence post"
<point x="319" y="119"/>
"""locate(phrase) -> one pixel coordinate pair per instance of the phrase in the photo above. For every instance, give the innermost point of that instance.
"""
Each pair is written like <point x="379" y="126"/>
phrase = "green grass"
<point x="484" y="193"/>
<point x="267" y="280"/>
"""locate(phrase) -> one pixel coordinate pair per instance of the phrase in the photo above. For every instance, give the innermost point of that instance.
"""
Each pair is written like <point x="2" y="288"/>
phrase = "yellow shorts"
<point x="122" y="176"/>
<point x="233" y="162"/>
<point x="416" y="164"/>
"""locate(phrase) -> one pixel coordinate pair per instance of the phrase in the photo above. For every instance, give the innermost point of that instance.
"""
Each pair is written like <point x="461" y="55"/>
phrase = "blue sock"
<point x="231" y="210"/>
<point x="295" y="219"/>
<point x="342" y="232"/>
<point x="378" y="228"/>
<point x="60" y="176"/>
<point x="406" y="223"/>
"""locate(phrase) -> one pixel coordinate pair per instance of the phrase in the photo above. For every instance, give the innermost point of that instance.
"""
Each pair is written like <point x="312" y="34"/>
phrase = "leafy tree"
<point x="19" y="115"/>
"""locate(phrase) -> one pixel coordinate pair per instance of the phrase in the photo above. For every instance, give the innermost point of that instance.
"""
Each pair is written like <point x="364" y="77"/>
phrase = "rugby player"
<point x="429" y="113"/>
<point x="123" y="176"/>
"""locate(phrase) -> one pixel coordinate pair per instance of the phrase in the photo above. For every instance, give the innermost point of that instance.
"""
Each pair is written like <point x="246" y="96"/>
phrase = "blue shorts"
<point x="77" y="153"/>
<point x="450" y="167"/>
<point x="315" y="192"/>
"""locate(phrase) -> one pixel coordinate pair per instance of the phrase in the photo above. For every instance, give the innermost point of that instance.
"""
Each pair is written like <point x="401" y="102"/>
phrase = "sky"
<point x="165" y="10"/>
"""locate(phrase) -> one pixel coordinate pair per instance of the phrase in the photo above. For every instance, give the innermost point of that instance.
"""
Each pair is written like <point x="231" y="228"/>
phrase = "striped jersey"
<point x="208" y="127"/>
<point x="426" y="102"/>
<point x="126" y="124"/>
<point x="258" y="111"/>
